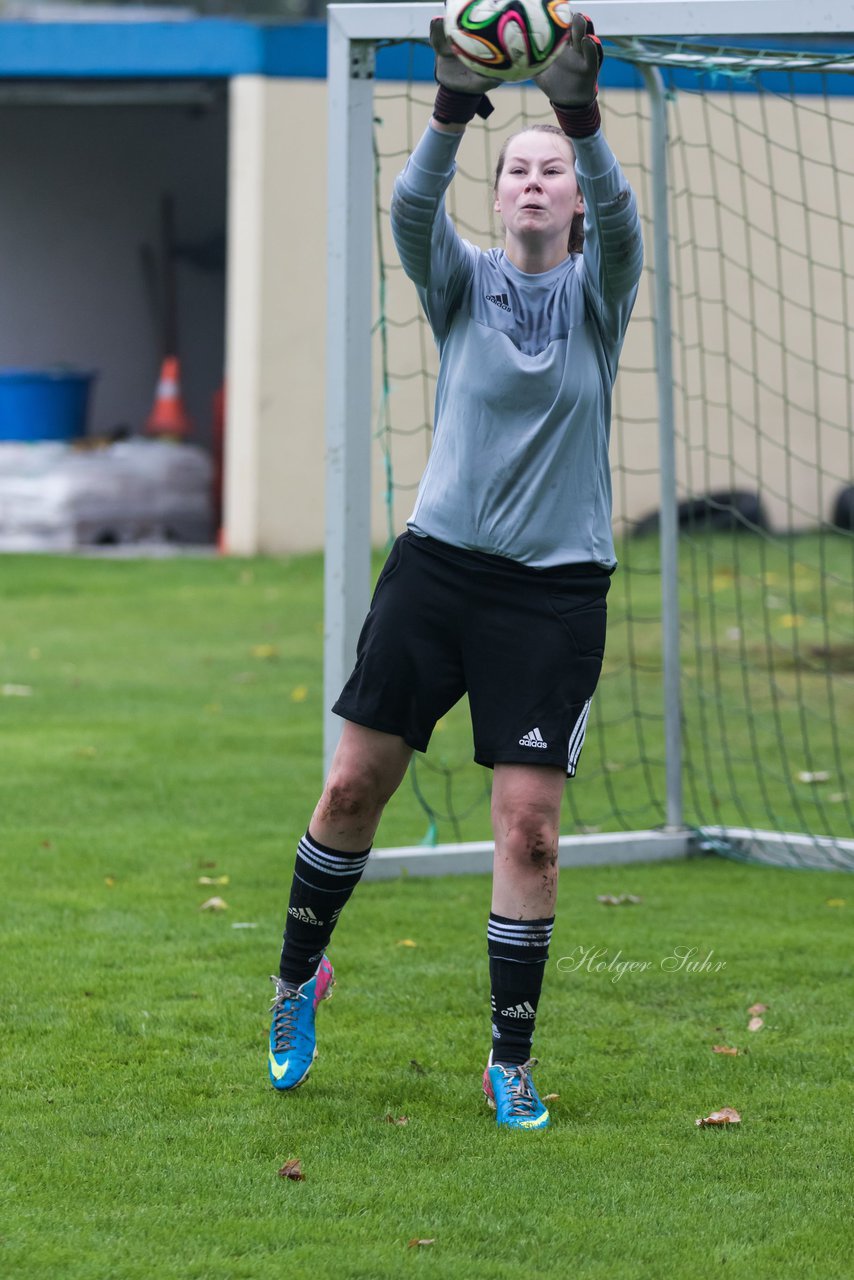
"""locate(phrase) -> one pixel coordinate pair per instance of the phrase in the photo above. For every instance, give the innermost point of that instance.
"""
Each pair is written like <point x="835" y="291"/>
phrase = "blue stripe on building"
<point x="217" y="48"/>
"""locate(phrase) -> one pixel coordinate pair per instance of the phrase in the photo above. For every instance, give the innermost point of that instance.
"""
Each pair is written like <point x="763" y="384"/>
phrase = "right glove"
<point x="462" y="92"/>
<point x="571" y="82"/>
<point x="572" y="79"/>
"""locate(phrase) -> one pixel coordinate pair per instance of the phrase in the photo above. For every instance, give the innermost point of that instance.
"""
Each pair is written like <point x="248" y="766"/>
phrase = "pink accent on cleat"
<point x="325" y="982"/>
<point x="487" y="1084"/>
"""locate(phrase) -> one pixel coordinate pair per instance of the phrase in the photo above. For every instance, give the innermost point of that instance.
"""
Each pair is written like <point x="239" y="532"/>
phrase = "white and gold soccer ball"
<point x="507" y="39"/>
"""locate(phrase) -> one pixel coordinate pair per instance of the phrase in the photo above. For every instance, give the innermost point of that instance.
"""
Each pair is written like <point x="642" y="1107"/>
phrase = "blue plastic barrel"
<point x="44" y="404"/>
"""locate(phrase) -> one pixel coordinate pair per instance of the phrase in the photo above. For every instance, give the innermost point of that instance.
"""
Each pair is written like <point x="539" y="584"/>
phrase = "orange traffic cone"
<point x="169" y="417"/>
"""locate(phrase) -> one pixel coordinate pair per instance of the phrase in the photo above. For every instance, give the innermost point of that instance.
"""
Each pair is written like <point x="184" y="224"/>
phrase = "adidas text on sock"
<point x="518" y="950"/>
<point x="322" y="883"/>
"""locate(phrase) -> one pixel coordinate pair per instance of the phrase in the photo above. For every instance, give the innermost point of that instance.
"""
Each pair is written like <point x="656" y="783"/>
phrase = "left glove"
<point x="462" y="92"/>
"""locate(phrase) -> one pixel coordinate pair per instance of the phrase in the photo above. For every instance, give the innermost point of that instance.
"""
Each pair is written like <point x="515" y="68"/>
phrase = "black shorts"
<point x="525" y="644"/>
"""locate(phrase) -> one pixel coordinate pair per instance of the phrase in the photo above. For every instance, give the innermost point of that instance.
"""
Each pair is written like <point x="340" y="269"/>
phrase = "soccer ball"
<point x="507" y="39"/>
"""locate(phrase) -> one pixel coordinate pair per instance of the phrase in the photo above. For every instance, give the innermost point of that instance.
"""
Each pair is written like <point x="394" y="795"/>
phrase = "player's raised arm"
<point x="434" y="257"/>
<point x="613" y="247"/>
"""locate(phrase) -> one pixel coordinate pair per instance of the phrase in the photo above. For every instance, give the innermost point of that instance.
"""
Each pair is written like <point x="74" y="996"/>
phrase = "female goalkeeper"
<point x="497" y="588"/>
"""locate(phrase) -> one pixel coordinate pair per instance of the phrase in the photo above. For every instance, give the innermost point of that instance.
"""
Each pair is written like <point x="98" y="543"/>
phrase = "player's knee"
<point x="352" y="794"/>
<point x="531" y="838"/>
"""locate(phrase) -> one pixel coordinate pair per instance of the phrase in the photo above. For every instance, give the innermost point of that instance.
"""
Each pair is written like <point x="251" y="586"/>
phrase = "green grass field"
<point x="172" y="731"/>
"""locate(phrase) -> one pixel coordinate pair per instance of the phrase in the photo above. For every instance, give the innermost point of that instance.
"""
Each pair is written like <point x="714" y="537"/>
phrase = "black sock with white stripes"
<point x="323" y="881"/>
<point x="518" y="950"/>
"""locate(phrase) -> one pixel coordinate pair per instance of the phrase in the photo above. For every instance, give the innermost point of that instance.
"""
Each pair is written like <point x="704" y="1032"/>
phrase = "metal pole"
<point x="669" y="530"/>
<point x="347" y="566"/>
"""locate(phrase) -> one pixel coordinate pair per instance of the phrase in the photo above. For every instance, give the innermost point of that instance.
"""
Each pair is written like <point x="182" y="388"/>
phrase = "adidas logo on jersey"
<point x="499" y="300"/>
<point x="533" y="739"/>
<point x="305" y="914"/>
<point x="525" y="1010"/>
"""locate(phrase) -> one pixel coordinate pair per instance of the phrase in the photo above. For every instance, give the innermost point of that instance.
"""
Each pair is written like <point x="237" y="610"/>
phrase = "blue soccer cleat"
<point x="293" y="1047"/>
<point x="511" y="1094"/>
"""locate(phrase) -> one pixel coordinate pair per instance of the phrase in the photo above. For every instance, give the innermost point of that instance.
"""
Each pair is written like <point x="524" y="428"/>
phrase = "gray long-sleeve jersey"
<point x="519" y="462"/>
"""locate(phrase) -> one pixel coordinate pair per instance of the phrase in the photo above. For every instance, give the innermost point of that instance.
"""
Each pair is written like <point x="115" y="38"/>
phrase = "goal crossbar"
<point x="618" y="18"/>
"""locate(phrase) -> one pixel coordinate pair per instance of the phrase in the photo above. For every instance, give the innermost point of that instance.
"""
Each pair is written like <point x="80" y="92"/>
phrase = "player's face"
<point x="537" y="194"/>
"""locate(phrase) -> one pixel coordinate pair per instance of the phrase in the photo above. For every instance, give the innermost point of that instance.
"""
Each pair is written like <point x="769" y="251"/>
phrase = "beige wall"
<point x="275" y="315"/>
<point x="763" y="372"/>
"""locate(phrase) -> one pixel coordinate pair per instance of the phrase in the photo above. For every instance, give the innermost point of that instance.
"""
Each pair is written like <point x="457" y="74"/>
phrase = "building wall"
<point x="276" y="316"/>
<point x="82" y="187"/>
<point x="787" y="435"/>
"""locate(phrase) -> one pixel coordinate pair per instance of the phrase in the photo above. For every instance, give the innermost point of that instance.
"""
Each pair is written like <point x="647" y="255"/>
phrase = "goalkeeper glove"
<point x="462" y="93"/>
<point x="571" y="82"/>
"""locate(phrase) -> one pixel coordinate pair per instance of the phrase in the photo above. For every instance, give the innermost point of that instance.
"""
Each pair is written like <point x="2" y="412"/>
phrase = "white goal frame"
<point x="353" y="30"/>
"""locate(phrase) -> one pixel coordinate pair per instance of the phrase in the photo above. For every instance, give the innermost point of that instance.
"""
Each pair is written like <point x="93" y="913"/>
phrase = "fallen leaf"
<point x="213" y="880"/>
<point x="88" y="752"/>
<point x="47" y="844"/>
<point x="405" y="942"/>
<point x="551" y="1097"/>
<point x="265" y="651"/>
<point x="109" y="881"/>
<point x="414" y="1242"/>
<point x="205" y="862"/>
<point x="758" y="1008"/>
<point x="726" y="1115"/>
<point x="791" y="620"/>
<point x="214" y="904"/>
<point x="835" y="902"/>
<point x="820" y="775"/>
<point x="292" y="1169"/>
<point x="724" y="1048"/>
<point x="299" y="694"/>
<point x="417" y="1067"/>
<point x="395" y="1119"/>
<point x="755" y="1024"/>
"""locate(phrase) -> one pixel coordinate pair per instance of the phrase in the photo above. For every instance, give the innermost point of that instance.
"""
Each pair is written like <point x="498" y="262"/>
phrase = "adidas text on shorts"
<point x="525" y="644"/>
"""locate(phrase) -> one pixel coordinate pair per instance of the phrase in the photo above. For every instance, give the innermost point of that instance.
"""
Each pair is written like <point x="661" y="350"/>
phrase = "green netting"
<point x="761" y="182"/>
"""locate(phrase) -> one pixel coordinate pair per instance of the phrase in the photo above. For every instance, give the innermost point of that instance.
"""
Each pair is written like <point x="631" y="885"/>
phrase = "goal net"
<point x="725" y="712"/>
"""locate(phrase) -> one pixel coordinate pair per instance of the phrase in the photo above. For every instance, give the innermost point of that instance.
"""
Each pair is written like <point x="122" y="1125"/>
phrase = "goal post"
<point x="655" y="35"/>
